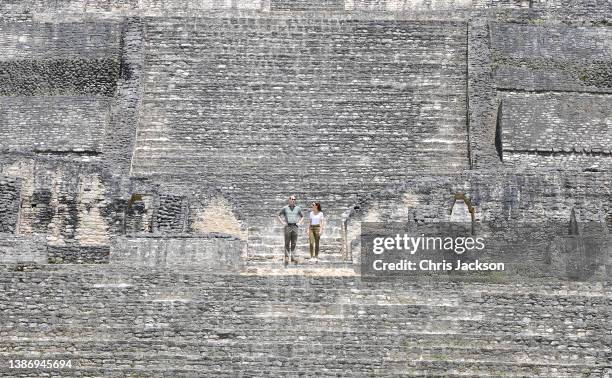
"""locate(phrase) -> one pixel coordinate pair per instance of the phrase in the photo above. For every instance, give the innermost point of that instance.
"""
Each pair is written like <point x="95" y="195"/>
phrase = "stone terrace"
<point x="114" y="320"/>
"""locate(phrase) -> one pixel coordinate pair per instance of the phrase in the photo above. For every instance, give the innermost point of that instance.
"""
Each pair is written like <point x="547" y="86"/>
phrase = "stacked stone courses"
<point x="9" y="203"/>
<point x="305" y="83"/>
<point x="46" y="123"/>
<point x="55" y="59"/>
<point x="567" y="122"/>
<point x="552" y="58"/>
<point x="27" y="40"/>
<point x="557" y="122"/>
<point x="148" y="145"/>
<point x="118" y="319"/>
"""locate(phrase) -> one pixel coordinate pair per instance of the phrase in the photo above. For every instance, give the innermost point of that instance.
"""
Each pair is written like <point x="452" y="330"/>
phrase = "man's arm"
<point x="301" y="221"/>
<point x="278" y="216"/>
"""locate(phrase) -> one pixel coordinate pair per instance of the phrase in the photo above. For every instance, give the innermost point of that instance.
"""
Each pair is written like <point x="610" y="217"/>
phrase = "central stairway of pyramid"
<point x="331" y="109"/>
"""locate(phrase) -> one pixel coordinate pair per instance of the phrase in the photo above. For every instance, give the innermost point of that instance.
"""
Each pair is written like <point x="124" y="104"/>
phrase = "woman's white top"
<point x="316" y="219"/>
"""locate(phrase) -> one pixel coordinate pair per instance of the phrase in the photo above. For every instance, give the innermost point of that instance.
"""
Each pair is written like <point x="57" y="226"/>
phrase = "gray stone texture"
<point x="561" y="121"/>
<point x="40" y="41"/>
<point x="481" y="97"/>
<point x="305" y="5"/>
<point x="9" y="203"/>
<point x="215" y="252"/>
<point x="58" y="58"/>
<point x="561" y="130"/>
<point x="16" y="249"/>
<point x="53" y="123"/>
<point x="147" y="145"/>
<point x="165" y="322"/>
<point x="557" y="58"/>
<point x="343" y="106"/>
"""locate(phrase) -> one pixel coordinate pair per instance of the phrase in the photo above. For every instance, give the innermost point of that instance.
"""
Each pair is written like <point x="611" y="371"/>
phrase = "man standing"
<point x="293" y="218"/>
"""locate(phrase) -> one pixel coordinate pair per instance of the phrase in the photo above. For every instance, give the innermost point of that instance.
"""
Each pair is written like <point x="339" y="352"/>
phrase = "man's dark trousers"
<point x="291" y="234"/>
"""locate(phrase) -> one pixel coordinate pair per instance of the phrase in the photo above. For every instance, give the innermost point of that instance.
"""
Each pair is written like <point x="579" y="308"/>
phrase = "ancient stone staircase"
<point x="113" y="320"/>
<point x="298" y="86"/>
<point x="265" y="247"/>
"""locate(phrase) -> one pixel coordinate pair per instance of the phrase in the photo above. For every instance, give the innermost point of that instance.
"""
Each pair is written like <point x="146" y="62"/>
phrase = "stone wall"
<point x="9" y="203"/>
<point x="212" y="252"/>
<point x="115" y="321"/>
<point x="117" y="8"/>
<point x="554" y="84"/>
<point x="58" y="123"/>
<point x="45" y="59"/>
<point x="36" y="41"/>
<point x="147" y="146"/>
<point x="527" y="196"/>
<point x="508" y="200"/>
<point x="536" y="57"/>
<point x="556" y="130"/>
<point x="16" y="249"/>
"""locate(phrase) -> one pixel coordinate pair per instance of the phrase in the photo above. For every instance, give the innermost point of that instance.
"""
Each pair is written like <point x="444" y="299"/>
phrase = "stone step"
<point x="302" y="241"/>
<point x="401" y="347"/>
<point x="127" y="369"/>
<point x="318" y="321"/>
<point x="316" y="306"/>
<point x="276" y="238"/>
<point x="303" y="286"/>
<point x="312" y="350"/>
<point x="304" y="245"/>
<point x="68" y="278"/>
<point x="302" y="253"/>
<point x="276" y="249"/>
<point x="494" y="368"/>
<point x="76" y="276"/>
<point x="338" y="363"/>
<point x="275" y="294"/>
<point x="424" y="341"/>
<point x="302" y="257"/>
<point x="307" y="263"/>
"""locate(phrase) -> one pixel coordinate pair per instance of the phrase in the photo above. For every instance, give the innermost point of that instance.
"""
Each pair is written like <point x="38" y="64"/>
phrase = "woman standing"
<point x="316" y="226"/>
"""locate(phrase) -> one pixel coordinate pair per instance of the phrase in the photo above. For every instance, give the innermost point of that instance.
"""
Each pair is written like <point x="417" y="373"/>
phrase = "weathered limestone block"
<point x="305" y="5"/>
<point x="171" y="216"/>
<point x="10" y="189"/>
<point x="22" y="249"/>
<point x="482" y="97"/>
<point x="77" y="254"/>
<point x="566" y="130"/>
<point x="139" y="213"/>
<point x="552" y="57"/>
<point x="30" y="215"/>
<point x="92" y="228"/>
<point x="218" y="217"/>
<point x="221" y="253"/>
<point x="59" y="124"/>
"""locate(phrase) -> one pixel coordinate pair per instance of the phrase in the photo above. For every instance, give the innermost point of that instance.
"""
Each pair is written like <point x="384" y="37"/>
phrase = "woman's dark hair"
<point x="318" y="204"/>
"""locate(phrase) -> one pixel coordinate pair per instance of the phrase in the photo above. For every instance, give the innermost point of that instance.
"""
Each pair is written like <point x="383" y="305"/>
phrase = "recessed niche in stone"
<point x="139" y="214"/>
